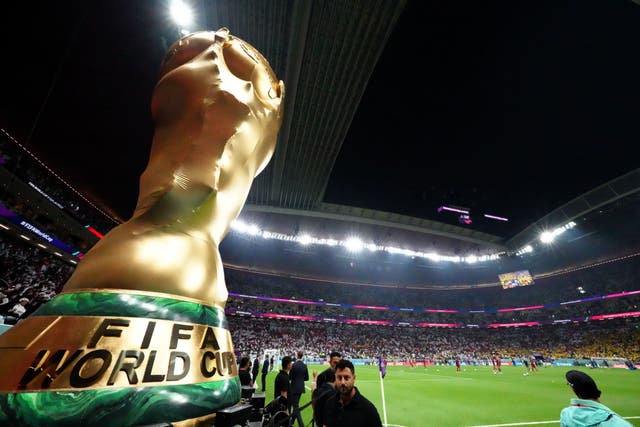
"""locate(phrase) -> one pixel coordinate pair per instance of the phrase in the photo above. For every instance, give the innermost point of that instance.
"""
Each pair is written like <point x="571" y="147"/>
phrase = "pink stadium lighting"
<point x="446" y="208"/>
<point x="508" y="325"/>
<point x="368" y="322"/>
<point x="613" y="316"/>
<point x="499" y="218"/>
<point x="372" y="307"/>
<point x="621" y="294"/>
<point x="297" y="301"/>
<point x="442" y="325"/>
<point x="287" y="316"/>
<point x="533" y="307"/>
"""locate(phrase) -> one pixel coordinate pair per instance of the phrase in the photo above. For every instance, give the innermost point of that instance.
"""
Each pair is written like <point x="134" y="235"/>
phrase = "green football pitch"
<point x="439" y="396"/>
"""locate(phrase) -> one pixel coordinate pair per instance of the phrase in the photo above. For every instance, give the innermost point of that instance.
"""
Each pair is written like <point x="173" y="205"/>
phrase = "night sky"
<point x="509" y="108"/>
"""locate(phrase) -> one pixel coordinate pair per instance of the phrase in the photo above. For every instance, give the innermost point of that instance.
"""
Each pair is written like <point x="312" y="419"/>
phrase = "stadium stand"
<point x="583" y="303"/>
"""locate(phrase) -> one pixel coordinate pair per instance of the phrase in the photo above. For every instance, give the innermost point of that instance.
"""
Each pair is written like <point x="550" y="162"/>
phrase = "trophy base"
<point x="117" y="359"/>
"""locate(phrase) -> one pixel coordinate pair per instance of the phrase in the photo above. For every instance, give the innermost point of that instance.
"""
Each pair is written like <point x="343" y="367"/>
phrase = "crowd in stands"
<point x="54" y="229"/>
<point x="614" y="338"/>
<point x="15" y="159"/>
<point x="31" y="277"/>
<point x="625" y="304"/>
<point x="597" y="280"/>
<point x="561" y="293"/>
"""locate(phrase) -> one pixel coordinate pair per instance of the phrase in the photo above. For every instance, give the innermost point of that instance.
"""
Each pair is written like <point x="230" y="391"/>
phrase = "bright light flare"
<point x="181" y="13"/>
<point x="547" y="237"/>
<point x="354" y="244"/>
<point x="305" y="239"/>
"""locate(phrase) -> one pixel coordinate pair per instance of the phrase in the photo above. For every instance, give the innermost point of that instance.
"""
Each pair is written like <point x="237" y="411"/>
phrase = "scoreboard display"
<point x="515" y="279"/>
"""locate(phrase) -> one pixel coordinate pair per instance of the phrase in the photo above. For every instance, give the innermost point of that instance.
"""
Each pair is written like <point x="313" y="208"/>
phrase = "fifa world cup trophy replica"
<point x="138" y="336"/>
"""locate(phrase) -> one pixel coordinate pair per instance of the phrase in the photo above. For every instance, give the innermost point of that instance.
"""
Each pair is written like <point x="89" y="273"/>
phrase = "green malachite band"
<point x="129" y="406"/>
<point x="132" y="305"/>
<point x="118" y="407"/>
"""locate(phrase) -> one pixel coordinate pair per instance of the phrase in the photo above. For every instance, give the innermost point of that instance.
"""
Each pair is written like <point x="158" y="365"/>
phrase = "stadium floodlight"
<point x="471" y="259"/>
<point x="238" y="226"/>
<point x="244" y="228"/>
<point x="330" y="242"/>
<point x="547" y="237"/>
<point x="305" y="239"/>
<point x="353" y="244"/>
<point x="433" y="256"/>
<point x="181" y="13"/>
<point x="253" y="230"/>
<point x="527" y="249"/>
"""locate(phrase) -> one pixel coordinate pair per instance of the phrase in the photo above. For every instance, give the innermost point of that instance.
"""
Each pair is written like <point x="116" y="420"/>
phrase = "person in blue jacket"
<point x="587" y="410"/>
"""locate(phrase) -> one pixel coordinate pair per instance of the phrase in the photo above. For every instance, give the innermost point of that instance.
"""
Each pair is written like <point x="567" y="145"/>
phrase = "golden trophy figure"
<point x="138" y="335"/>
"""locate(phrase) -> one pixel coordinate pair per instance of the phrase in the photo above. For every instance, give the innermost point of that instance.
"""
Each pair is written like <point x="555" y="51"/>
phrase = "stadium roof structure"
<point x="393" y="108"/>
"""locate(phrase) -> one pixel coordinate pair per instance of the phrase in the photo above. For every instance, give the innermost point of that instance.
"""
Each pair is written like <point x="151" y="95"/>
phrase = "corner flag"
<point x="382" y="365"/>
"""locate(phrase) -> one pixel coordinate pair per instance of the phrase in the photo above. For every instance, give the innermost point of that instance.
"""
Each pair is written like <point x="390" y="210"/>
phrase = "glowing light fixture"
<point x="353" y="244"/>
<point x="499" y="218"/>
<point x="447" y="208"/>
<point x="547" y="237"/>
<point x="181" y="13"/>
<point x="305" y="239"/>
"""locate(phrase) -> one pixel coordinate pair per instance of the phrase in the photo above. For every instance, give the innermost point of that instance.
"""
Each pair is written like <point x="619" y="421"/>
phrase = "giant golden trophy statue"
<point x="138" y="336"/>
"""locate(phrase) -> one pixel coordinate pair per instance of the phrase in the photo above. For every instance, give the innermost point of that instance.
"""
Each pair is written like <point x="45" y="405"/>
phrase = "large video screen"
<point x="515" y="279"/>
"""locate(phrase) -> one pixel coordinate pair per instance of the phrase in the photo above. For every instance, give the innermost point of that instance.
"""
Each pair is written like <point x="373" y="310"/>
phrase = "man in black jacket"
<point x="282" y="384"/>
<point x="265" y="371"/>
<point x="243" y="372"/>
<point x="298" y="375"/>
<point x="320" y="396"/>
<point x="255" y="369"/>
<point x="319" y="379"/>
<point x="348" y="407"/>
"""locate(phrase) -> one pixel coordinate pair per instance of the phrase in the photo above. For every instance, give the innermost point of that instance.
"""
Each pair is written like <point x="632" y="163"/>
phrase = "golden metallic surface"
<point x="47" y="352"/>
<point x="217" y="109"/>
<point x="206" y="421"/>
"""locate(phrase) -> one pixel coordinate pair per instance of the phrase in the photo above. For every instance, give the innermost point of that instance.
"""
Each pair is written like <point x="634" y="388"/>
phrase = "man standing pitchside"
<point x="298" y="375"/>
<point x="254" y="371"/>
<point x="265" y="371"/>
<point x="348" y="407"/>
<point x="319" y="379"/>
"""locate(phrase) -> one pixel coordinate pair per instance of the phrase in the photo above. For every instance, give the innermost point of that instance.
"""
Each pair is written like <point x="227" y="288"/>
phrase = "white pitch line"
<point x="423" y="379"/>
<point x="520" y="424"/>
<point x="530" y="423"/>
